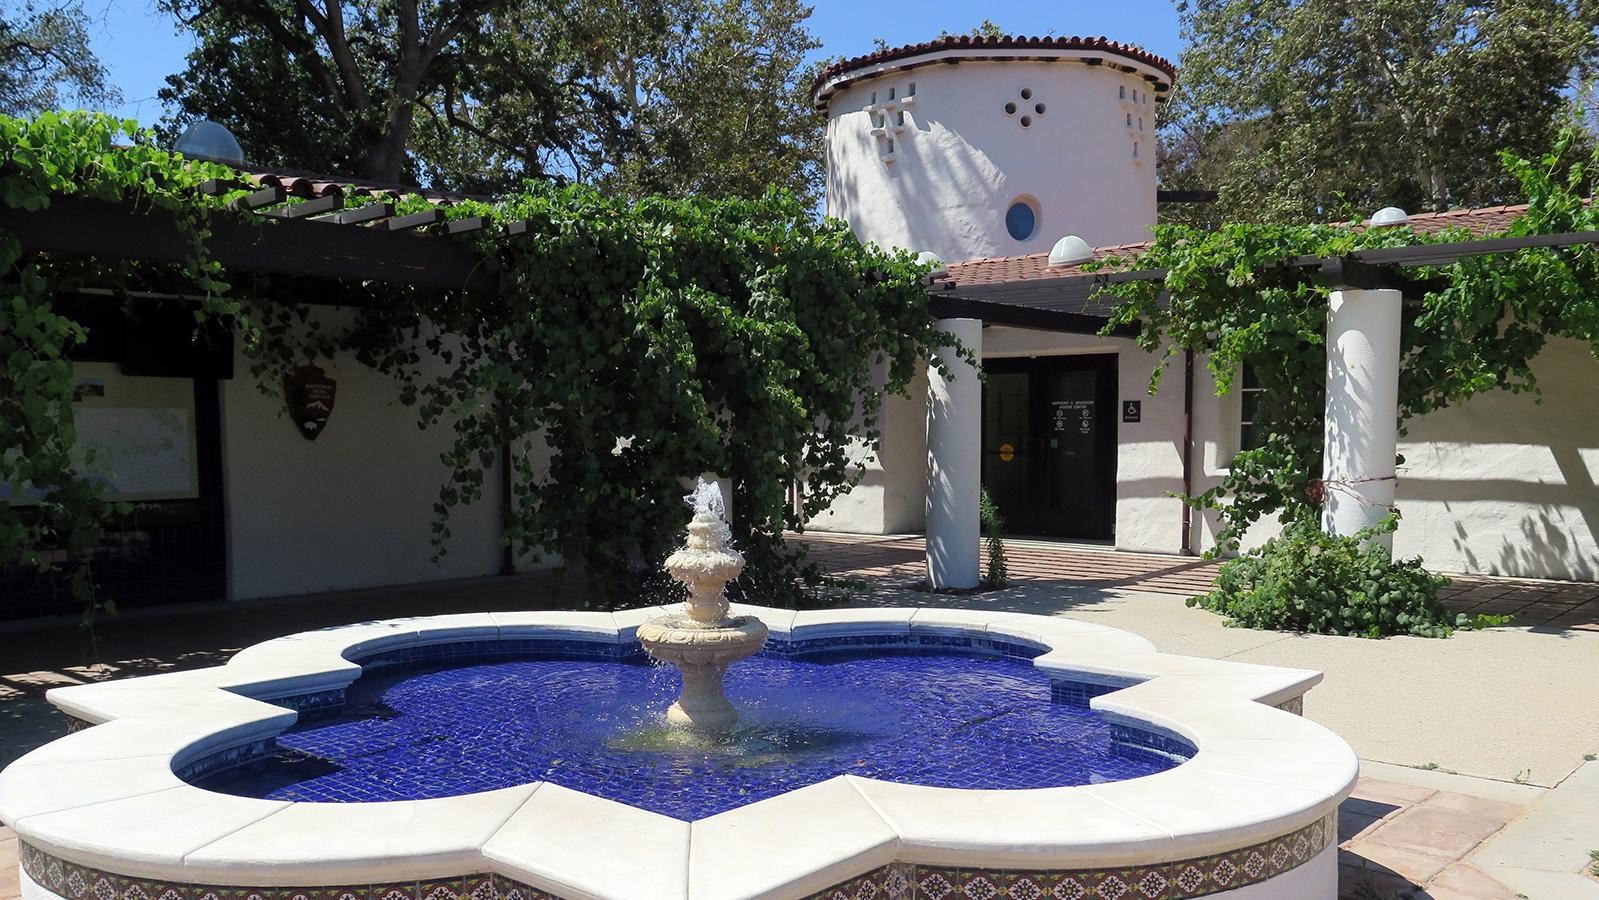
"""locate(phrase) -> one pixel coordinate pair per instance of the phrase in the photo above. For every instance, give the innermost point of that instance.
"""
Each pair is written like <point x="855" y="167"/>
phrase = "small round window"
<point x="1021" y="220"/>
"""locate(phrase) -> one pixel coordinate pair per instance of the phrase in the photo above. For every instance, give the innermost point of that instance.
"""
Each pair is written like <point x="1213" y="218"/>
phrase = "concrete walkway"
<point x="1514" y="709"/>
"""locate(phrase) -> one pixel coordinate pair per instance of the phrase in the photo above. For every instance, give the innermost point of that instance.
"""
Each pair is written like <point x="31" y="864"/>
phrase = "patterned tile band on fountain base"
<point x="897" y="881"/>
<point x="75" y="882"/>
<point x="1166" y="881"/>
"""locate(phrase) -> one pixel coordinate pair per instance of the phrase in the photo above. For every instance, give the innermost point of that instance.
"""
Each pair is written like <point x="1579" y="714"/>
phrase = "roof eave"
<point x="1157" y="70"/>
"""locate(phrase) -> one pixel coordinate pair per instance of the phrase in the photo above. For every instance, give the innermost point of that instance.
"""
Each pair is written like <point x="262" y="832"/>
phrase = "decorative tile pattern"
<point x="563" y="648"/>
<point x="75" y="882"/>
<point x="783" y="647"/>
<point x="890" y="881"/>
<point x="212" y="763"/>
<point x="896" y="881"/>
<point x="1079" y="693"/>
<point x="1166" y="745"/>
<point x="75" y="724"/>
<point x="328" y="699"/>
<point x="788" y="649"/>
<point x="1160" y="881"/>
<point x="1295" y="705"/>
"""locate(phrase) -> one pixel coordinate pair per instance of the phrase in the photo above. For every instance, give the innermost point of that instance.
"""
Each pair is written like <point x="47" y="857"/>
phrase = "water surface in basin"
<point x="441" y="729"/>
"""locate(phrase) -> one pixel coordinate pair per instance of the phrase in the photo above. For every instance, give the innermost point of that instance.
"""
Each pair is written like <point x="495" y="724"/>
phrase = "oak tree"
<point x="664" y="96"/>
<point x="46" y="62"/>
<point x="1309" y="109"/>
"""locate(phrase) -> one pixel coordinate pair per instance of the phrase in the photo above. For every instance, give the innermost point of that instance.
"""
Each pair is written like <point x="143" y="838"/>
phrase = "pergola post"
<point x="1362" y="421"/>
<point x="954" y="462"/>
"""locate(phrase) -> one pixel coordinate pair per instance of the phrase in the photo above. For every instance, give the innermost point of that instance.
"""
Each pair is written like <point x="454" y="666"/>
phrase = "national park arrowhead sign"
<point x="309" y="393"/>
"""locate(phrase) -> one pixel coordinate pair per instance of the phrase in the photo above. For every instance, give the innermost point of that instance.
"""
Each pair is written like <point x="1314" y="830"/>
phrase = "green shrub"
<point x="1309" y="581"/>
<point x="993" y="538"/>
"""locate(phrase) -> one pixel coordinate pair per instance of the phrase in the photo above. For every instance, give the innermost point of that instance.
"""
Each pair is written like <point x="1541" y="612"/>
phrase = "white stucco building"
<point x="976" y="149"/>
<point x="1013" y="161"/>
<point x="988" y="153"/>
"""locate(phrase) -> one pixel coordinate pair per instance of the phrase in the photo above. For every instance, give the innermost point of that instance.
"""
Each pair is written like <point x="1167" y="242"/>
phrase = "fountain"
<point x="886" y="752"/>
<point x="703" y="640"/>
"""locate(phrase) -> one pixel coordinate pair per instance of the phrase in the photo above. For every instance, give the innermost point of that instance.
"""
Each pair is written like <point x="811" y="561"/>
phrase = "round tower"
<point x="984" y="147"/>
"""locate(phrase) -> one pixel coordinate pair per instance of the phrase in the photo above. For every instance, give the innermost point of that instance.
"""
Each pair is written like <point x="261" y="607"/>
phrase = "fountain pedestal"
<point x="702" y="655"/>
<point x="702" y="641"/>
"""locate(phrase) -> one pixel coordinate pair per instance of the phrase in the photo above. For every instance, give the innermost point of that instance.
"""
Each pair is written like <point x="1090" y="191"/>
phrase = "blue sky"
<point x="140" y="48"/>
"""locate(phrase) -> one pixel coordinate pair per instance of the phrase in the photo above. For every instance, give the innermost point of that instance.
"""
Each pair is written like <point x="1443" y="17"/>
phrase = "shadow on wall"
<point x="1505" y="485"/>
<point x="860" y="511"/>
<point x="914" y="207"/>
<point x="1517" y="528"/>
<point x="1545" y="546"/>
<point x="1501" y="484"/>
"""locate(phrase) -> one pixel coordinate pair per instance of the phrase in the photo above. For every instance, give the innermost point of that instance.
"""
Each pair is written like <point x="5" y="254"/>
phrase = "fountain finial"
<point x="707" y="562"/>
<point x="707" y="497"/>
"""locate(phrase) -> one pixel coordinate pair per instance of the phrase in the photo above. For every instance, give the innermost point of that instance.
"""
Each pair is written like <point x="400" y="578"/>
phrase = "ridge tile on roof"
<point x="1007" y="42"/>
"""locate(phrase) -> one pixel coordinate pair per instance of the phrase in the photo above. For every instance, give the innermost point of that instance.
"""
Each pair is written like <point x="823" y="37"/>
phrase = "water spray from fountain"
<point x="703" y="640"/>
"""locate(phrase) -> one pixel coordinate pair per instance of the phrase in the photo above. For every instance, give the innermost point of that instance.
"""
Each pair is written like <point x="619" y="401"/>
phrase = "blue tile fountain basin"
<point x="956" y="717"/>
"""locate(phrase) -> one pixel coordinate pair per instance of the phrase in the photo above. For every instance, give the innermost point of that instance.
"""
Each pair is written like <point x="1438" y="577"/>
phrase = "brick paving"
<point x="903" y="558"/>
<point x="1552" y="605"/>
<point x="1403" y="841"/>
<point x="10" y="887"/>
<point x="1396" y="841"/>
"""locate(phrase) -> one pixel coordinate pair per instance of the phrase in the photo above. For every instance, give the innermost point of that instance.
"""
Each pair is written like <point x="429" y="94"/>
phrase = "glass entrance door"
<point x="1049" y="444"/>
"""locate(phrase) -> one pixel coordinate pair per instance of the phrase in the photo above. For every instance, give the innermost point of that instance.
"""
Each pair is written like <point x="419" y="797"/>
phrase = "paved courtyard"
<point x="1468" y="746"/>
<point x="1541" y="605"/>
<point x="1517" y="703"/>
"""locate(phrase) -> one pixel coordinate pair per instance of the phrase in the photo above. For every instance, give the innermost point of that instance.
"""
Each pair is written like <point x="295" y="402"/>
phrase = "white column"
<point x="1362" y="429"/>
<point x="954" y="461"/>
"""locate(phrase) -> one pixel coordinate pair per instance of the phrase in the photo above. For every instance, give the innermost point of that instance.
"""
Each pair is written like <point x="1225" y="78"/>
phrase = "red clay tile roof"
<point x="1012" y="269"/>
<point x="310" y="185"/>
<point x="1013" y="47"/>
<point x="1480" y="222"/>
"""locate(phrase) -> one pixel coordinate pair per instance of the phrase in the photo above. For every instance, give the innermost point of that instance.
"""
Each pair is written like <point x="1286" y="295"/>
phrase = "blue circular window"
<point x="1021" y="220"/>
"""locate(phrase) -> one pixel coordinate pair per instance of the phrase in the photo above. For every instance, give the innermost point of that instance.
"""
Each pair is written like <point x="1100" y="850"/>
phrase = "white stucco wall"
<point x="1505" y="485"/>
<point x="1501" y="484"/>
<point x="892" y="495"/>
<point x="352" y="508"/>
<point x="961" y="160"/>
<point x="904" y="458"/>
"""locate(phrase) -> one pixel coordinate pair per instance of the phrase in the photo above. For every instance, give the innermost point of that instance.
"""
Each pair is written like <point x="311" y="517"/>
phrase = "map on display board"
<point x="139" y="453"/>
<point x="141" y="431"/>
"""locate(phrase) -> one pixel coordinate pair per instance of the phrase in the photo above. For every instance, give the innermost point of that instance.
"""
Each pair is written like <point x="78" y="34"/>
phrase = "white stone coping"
<point x="106" y="797"/>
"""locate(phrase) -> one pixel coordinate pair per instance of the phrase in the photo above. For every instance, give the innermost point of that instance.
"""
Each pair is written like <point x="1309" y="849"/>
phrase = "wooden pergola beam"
<point x="298" y="246"/>
<point x="1021" y="315"/>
